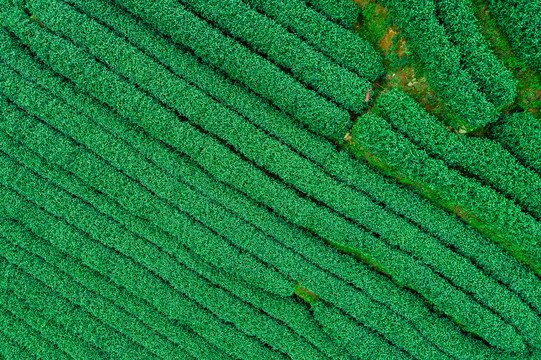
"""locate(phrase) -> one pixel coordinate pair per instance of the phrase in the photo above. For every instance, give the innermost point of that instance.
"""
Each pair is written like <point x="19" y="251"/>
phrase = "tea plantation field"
<point x="270" y="179"/>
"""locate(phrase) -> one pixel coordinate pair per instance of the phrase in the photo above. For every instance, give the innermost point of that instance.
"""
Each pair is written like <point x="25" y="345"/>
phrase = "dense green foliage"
<point x="519" y="233"/>
<point x="242" y="65"/>
<point x="99" y="284"/>
<point x="312" y="272"/>
<point x="390" y="230"/>
<point x="265" y="36"/>
<point x="480" y="62"/>
<point x="347" y="332"/>
<point x="521" y="21"/>
<point x="431" y="43"/>
<point x="131" y="275"/>
<point x="175" y="183"/>
<point x="341" y="45"/>
<point x="11" y="350"/>
<point x="85" y="335"/>
<point x="521" y="134"/>
<point x="484" y="158"/>
<point x="343" y="12"/>
<point x="32" y="333"/>
<point x="338" y="164"/>
<point x="152" y="151"/>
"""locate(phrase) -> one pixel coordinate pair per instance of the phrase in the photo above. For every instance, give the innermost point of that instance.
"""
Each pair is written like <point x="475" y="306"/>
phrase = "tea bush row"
<point x="428" y="38"/>
<point x="486" y="159"/>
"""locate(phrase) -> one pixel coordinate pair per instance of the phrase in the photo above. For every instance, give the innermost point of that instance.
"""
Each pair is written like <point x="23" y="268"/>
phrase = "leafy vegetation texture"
<point x="432" y="44"/>
<point x="486" y="159"/>
<point x="218" y="180"/>
<point x="520" y="20"/>
<point x="485" y="69"/>
<point x="521" y="134"/>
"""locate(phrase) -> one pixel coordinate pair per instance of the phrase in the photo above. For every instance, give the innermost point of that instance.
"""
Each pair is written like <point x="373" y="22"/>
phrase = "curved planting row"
<point x="158" y="155"/>
<point x="520" y="133"/>
<point x="263" y="35"/>
<point x="343" y="12"/>
<point x="341" y="45"/>
<point x="283" y="261"/>
<point x="480" y="62"/>
<point x="262" y="76"/>
<point x="39" y="336"/>
<point x="96" y="332"/>
<point x="480" y="206"/>
<point x="337" y="164"/>
<point x="132" y="276"/>
<point x="220" y="203"/>
<point x="486" y="159"/>
<point x="101" y="285"/>
<point x="169" y="242"/>
<point x="431" y="43"/>
<point x="521" y="21"/>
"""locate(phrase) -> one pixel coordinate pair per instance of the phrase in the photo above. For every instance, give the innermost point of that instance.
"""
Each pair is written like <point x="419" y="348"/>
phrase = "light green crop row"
<point x="182" y="338"/>
<point x="520" y="133"/>
<point x="341" y="45"/>
<point x="305" y="245"/>
<point x="479" y="205"/>
<point x="91" y="337"/>
<point x="479" y="61"/>
<point x="263" y="35"/>
<point x="344" y="12"/>
<point x="484" y="158"/>
<point x="428" y="38"/>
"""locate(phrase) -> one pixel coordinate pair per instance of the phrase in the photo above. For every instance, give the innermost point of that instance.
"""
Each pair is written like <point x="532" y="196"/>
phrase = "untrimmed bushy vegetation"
<point x="485" y="69"/>
<point x="483" y="158"/>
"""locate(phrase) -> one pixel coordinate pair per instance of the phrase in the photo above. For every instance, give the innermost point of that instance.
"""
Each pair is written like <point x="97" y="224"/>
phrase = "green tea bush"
<point x="428" y="38"/>
<point x="343" y="12"/>
<point x="103" y="310"/>
<point x="181" y="337"/>
<point x="520" y="21"/>
<point x="264" y="36"/>
<point x="176" y="166"/>
<point x="520" y="133"/>
<point x="32" y="333"/>
<point x="341" y="45"/>
<point x="484" y="158"/>
<point x="278" y="307"/>
<point x="347" y="332"/>
<point x="382" y="290"/>
<point x="365" y="311"/>
<point x="229" y="257"/>
<point x="131" y="275"/>
<point x="339" y="164"/>
<point x="242" y="65"/>
<point x="380" y="222"/>
<point x="331" y="285"/>
<point x="89" y="338"/>
<point x="324" y="289"/>
<point x="519" y="232"/>
<point x="11" y="350"/>
<point x="380" y="247"/>
<point x="479" y="61"/>
<point x="225" y="305"/>
<point x="377" y="287"/>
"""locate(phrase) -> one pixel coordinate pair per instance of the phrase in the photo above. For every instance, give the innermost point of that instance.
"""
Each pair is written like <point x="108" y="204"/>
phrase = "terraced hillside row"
<point x="236" y="179"/>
